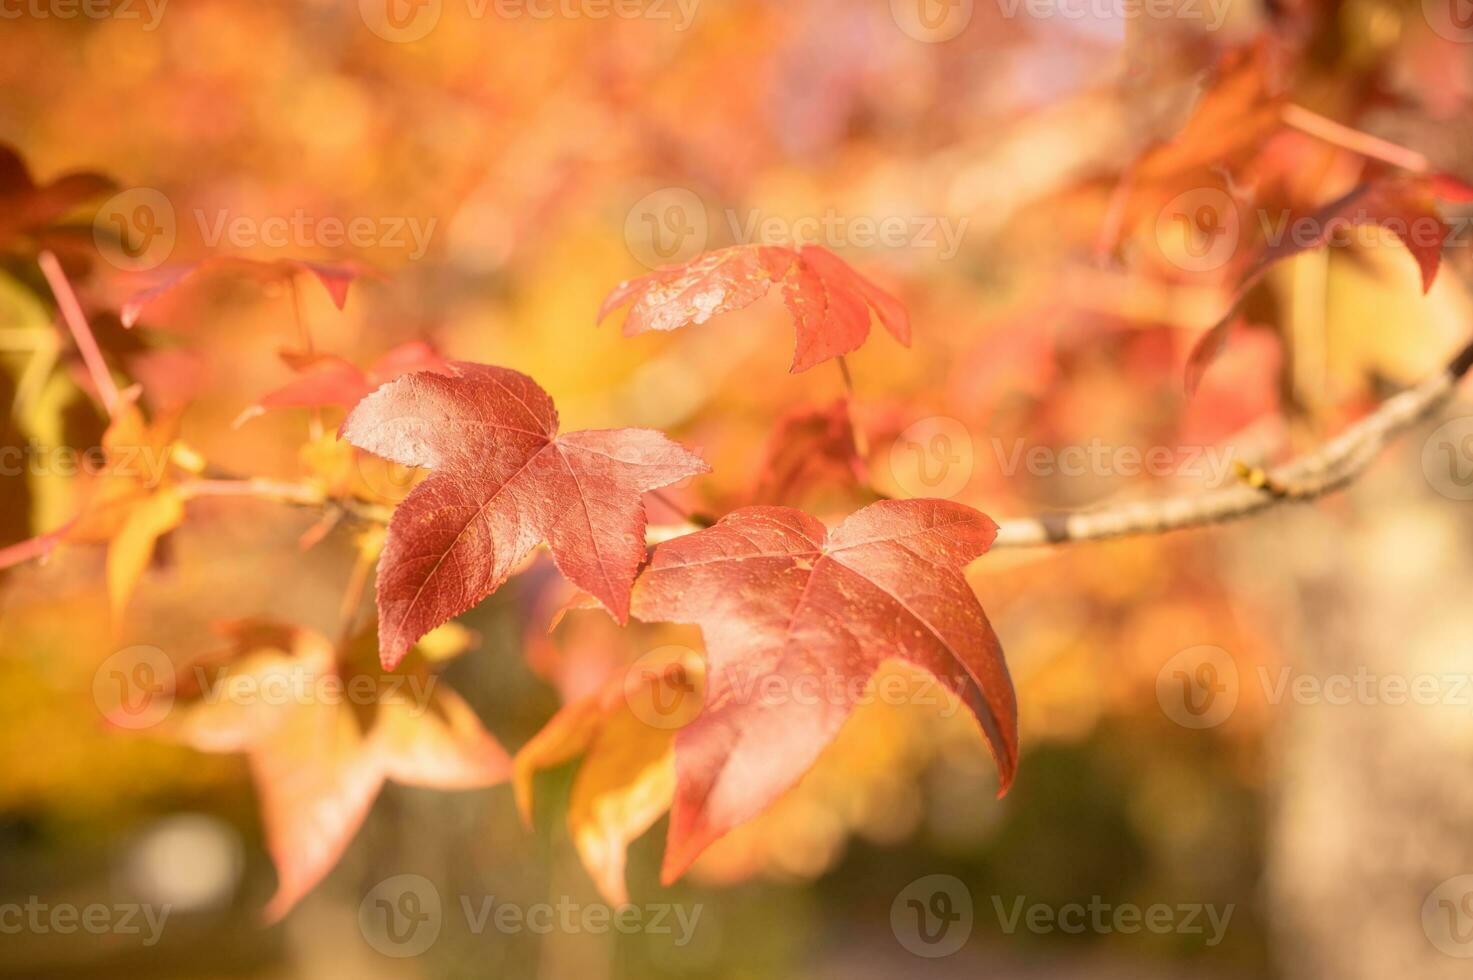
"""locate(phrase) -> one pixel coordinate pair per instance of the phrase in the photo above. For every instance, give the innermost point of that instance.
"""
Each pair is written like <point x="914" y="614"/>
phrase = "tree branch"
<point x="1328" y="468"/>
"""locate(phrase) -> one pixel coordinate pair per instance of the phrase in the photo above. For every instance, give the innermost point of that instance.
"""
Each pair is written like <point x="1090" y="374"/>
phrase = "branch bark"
<point x="1329" y="468"/>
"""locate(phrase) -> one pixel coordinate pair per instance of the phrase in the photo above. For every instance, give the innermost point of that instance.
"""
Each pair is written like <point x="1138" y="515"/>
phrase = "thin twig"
<point x="1330" y="467"/>
<point x="76" y="321"/>
<point x="353" y="596"/>
<point x="304" y="337"/>
<point x="33" y="548"/>
<point x="1353" y="140"/>
<point x="298" y="494"/>
<point x="861" y="439"/>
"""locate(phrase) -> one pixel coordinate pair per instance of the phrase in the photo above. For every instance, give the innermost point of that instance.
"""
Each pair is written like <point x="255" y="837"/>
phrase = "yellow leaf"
<point x="129" y="552"/>
<point x="625" y="783"/>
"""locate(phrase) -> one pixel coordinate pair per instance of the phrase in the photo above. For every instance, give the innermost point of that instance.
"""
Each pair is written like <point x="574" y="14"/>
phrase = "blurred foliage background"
<point x="550" y="158"/>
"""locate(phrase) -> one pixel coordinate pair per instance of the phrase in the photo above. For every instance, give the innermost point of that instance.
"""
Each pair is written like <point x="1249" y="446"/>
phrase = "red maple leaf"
<point x="783" y="602"/>
<point x="335" y="278"/>
<point x="329" y="380"/>
<point x="1406" y="206"/>
<point x="829" y="301"/>
<point x="810" y="448"/>
<point x="503" y="481"/>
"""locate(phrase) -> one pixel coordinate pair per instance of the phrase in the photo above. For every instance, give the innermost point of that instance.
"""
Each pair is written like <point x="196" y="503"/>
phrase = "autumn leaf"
<point x="1405" y="206"/>
<point x="1239" y="109"/>
<point x="503" y="480"/>
<point x="810" y="448"/>
<point x="783" y="601"/>
<point x="334" y="277"/>
<point x="132" y="502"/>
<point x="627" y="777"/>
<point x="27" y="207"/>
<point x="280" y="695"/>
<point x="830" y="303"/>
<point x="327" y="380"/>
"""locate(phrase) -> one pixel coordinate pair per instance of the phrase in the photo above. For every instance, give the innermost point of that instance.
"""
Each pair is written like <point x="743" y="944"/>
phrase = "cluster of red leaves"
<point x="776" y="594"/>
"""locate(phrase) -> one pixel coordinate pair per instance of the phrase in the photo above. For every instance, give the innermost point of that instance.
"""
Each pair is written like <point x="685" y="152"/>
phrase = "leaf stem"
<point x="298" y="494"/>
<point x="76" y="321"/>
<point x="304" y="337"/>
<point x="353" y="596"/>
<point x="851" y="407"/>
<point x="1353" y="140"/>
